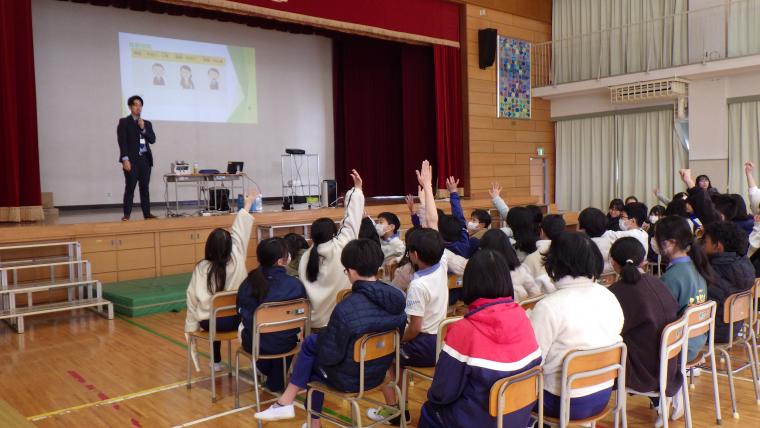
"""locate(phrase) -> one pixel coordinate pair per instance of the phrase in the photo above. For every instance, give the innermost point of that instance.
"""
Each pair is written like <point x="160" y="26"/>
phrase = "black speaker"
<point x="219" y="199"/>
<point x="329" y="193"/>
<point x="486" y="47"/>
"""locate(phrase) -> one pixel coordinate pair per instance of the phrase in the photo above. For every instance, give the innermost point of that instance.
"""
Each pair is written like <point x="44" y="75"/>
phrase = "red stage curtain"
<point x="448" y="108"/>
<point x="383" y="112"/>
<point x="20" y="198"/>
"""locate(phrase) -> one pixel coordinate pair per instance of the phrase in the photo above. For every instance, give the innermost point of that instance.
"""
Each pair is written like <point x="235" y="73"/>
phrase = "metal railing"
<point x="696" y="36"/>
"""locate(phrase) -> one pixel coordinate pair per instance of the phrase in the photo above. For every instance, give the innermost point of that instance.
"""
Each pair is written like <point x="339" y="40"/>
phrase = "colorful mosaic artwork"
<point x="513" y="80"/>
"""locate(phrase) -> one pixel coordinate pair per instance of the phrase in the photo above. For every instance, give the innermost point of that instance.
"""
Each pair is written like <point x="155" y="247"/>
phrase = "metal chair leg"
<point x="189" y="363"/>
<point x="687" y="407"/>
<point x="750" y="345"/>
<point x="731" y="390"/>
<point x="716" y="396"/>
<point x="229" y="357"/>
<point x="237" y="380"/>
<point x="213" y="372"/>
<point x="356" y="411"/>
<point x="256" y="388"/>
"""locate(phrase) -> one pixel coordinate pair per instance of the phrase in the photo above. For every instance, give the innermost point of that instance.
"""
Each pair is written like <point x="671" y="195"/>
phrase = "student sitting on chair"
<point x="222" y="269"/>
<point x="328" y="356"/>
<point x="521" y="221"/>
<point x="581" y="314"/>
<point x="479" y="224"/>
<point x="689" y="270"/>
<point x="269" y="283"/>
<point x="494" y="340"/>
<point x="648" y="308"/>
<point x="427" y="296"/>
<point x="320" y="268"/>
<point x="552" y="226"/>
<point x="726" y="246"/>
<point x="613" y="214"/>
<point x="387" y="227"/>
<point x="297" y="246"/>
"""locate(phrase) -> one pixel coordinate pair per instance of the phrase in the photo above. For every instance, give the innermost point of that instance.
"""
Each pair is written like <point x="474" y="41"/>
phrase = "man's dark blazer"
<point x="129" y="134"/>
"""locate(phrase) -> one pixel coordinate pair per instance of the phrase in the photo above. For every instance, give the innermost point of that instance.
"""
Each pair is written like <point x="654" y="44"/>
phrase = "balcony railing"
<point x="697" y="36"/>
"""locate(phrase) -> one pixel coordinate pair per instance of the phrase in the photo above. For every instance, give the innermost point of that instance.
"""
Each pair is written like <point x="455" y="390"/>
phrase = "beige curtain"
<point x="599" y="38"/>
<point x="649" y="154"/>
<point x="743" y="142"/>
<point x="616" y="155"/>
<point x="744" y="28"/>
<point x="585" y="162"/>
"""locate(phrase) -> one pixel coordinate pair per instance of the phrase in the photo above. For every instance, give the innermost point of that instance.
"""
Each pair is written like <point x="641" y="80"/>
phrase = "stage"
<point x="126" y="250"/>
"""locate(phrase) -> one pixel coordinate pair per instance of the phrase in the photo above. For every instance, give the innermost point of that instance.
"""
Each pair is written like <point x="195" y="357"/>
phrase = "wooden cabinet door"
<point x="136" y="240"/>
<point x="178" y="237"/>
<point x="177" y="255"/>
<point x="140" y="258"/>
<point x="98" y="243"/>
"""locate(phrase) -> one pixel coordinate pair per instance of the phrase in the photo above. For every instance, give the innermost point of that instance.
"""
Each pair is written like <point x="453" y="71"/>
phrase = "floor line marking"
<point x="115" y="399"/>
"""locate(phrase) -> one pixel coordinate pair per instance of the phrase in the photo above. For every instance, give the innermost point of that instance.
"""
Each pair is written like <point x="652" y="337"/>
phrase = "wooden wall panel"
<point x="500" y="149"/>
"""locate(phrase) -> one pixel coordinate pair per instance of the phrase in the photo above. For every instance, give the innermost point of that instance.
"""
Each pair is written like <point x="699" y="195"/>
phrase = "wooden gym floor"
<point x="80" y="370"/>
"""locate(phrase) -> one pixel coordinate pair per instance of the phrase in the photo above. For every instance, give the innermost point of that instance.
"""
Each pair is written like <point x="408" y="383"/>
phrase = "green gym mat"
<point x="148" y="296"/>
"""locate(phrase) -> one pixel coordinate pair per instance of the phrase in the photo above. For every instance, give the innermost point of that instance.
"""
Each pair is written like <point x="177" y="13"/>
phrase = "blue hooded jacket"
<point x="372" y="307"/>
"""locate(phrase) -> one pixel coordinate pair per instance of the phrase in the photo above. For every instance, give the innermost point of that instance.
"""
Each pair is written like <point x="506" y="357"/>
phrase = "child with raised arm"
<point x="320" y="268"/>
<point x="222" y="269"/>
<point x="427" y="295"/>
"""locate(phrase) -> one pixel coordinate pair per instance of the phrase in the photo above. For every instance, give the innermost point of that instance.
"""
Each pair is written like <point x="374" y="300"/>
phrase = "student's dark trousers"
<point x="140" y="173"/>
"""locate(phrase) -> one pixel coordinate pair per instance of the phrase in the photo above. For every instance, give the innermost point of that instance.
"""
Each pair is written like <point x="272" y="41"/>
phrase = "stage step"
<point x="31" y="287"/>
<point x="47" y="308"/>
<point x="34" y="262"/>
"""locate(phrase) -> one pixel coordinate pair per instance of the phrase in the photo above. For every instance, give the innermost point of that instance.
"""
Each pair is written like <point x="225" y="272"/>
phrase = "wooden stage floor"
<point x="79" y="370"/>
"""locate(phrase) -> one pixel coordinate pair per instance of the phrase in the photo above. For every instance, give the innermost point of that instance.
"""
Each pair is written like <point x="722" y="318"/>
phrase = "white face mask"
<point x="380" y="228"/>
<point x="472" y="226"/>
<point x="622" y="223"/>
<point x="653" y="219"/>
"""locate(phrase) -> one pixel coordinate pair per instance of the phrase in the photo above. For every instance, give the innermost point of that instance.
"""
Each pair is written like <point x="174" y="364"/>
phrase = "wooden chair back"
<point x="607" y="279"/>
<point x="224" y="304"/>
<point x="673" y="337"/>
<point x="700" y="318"/>
<point x="593" y="367"/>
<point x="374" y="346"/>
<point x="530" y="303"/>
<point x="738" y="307"/>
<point x="443" y="327"/>
<point x="455" y="282"/>
<point x="515" y="392"/>
<point x="281" y="316"/>
<point x="342" y="294"/>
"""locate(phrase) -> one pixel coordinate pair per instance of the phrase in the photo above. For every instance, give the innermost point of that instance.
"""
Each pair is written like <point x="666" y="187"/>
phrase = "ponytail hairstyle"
<point x="677" y="229"/>
<point x="322" y="230"/>
<point x="218" y="253"/>
<point x="522" y="222"/>
<point x="629" y="254"/>
<point x="269" y="251"/>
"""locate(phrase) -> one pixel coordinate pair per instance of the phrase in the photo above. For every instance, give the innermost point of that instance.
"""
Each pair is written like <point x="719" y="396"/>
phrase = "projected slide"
<point x="189" y="81"/>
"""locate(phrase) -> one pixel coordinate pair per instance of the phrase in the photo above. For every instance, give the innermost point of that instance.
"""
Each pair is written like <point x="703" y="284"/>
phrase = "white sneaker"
<point x="696" y="372"/>
<point x="217" y="366"/>
<point x="276" y="412"/>
<point x="678" y="405"/>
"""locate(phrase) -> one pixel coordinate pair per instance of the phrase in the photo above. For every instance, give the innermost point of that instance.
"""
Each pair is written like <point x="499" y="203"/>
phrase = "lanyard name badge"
<point x="142" y="145"/>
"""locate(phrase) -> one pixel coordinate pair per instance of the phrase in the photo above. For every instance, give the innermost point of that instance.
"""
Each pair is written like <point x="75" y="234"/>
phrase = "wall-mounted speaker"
<point x="486" y="47"/>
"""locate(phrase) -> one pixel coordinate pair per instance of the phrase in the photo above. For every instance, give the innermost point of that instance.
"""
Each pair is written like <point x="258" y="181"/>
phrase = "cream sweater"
<point x="331" y="279"/>
<point x="198" y="297"/>
<point x="581" y="314"/>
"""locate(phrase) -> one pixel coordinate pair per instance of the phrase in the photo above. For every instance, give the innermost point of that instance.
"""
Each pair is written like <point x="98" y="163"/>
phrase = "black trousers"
<point x="140" y="173"/>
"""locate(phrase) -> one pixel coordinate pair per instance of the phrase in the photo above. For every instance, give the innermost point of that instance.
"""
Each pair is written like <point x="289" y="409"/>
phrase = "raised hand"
<point x="357" y="179"/>
<point x="425" y="175"/>
<point x="410" y="203"/>
<point x="686" y="177"/>
<point x="749" y="167"/>
<point x="495" y="190"/>
<point x="656" y="191"/>
<point x="249" y="198"/>
<point x="452" y="184"/>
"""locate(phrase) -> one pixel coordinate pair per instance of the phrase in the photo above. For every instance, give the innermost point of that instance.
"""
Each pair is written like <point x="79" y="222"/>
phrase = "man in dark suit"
<point x="135" y="137"/>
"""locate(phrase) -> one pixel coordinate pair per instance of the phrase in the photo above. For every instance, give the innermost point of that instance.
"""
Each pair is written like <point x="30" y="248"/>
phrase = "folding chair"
<point x="529" y="304"/>
<point x="700" y="321"/>
<point x="673" y="342"/>
<point x="587" y="368"/>
<point x="223" y="304"/>
<point x="342" y="294"/>
<point x="272" y="318"/>
<point x="426" y="372"/>
<point x="607" y="279"/>
<point x="513" y="393"/>
<point x="739" y="307"/>
<point x="367" y="348"/>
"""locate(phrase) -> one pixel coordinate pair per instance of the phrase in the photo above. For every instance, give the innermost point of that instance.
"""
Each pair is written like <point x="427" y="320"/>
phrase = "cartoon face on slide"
<point x="158" y="74"/>
<point x="213" y="79"/>
<point x="186" y="77"/>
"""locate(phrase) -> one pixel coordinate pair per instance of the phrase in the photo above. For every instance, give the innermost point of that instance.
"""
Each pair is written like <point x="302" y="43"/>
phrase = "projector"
<point x="181" y="168"/>
<point x="295" y="151"/>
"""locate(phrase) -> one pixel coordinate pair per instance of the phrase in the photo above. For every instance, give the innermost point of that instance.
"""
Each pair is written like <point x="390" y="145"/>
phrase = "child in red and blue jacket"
<point x="494" y="340"/>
